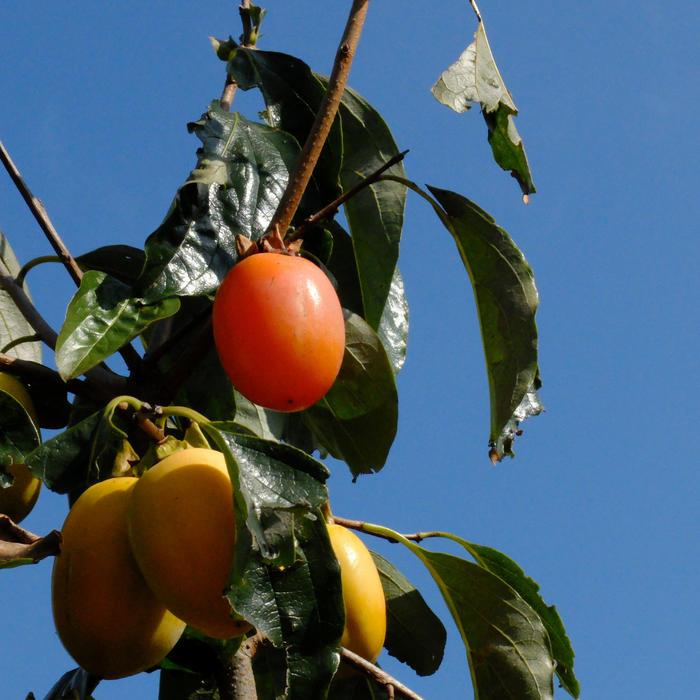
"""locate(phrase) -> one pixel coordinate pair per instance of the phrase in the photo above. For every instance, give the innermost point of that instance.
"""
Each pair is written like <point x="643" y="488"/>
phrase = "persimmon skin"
<point x="363" y="596"/>
<point x="182" y="530"/>
<point x="279" y="331"/>
<point x="106" y="616"/>
<point x="18" y="500"/>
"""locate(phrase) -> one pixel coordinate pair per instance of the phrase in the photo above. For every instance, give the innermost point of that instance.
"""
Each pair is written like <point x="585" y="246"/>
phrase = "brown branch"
<point x="236" y="681"/>
<point x="376" y="674"/>
<point x="333" y="206"/>
<point x="228" y="94"/>
<point x="33" y="370"/>
<point x="244" y="11"/>
<point x="359" y="525"/>
<point x="18" y="543"/>
<point x="324" y="119"/>
<point x="37" y="208"/>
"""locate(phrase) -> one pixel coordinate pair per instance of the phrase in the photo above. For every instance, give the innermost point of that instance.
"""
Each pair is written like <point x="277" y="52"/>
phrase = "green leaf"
<point x="292" y="95"/>
<point x="414" y="633"/>
<point x="102" y="317"/>
<point x="77" y="457"/>
<point x="121" y="261"/>
<point x="270" y="669"/>
<point x="507" y="644"/>
<point x="18" y="435"/>
<point x="357" y="419"/>
<point x="13" y="325"/>
<point x="475" y="78"/>
<point x="507" y="570"/>
<point x="74" y="685"/>
<point x="263" y="422"/>
<point x="506" y="300"/>
<point x="375" y="214"/>
<point x="241" y="175"/>
<point x="180" y="685"/>
<point x="357" y="688"/>
<point x="50" y="403"/>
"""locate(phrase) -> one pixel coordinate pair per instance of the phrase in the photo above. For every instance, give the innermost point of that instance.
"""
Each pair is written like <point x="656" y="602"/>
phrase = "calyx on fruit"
<point x="182" y="530"/>
<point x="106" y="616"/>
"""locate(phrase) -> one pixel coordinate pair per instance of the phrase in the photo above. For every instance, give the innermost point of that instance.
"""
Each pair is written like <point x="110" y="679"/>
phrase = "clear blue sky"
<point x="600" y="504"/>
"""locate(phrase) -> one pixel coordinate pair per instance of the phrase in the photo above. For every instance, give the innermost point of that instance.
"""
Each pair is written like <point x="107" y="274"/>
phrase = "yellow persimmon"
<point x="107" y="617"/>
<point x="182" y="530"/>
<point x="363" y="595"/>
<point x="17" y="501"/>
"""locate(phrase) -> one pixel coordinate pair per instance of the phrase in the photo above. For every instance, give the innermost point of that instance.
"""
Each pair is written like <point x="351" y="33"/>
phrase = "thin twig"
<point x="37" y="208"/>
<point x="324" y="119"/>
<point x="375" y="673"/>
<point x="244" y="11"/>
<point x="360" y="526"/>
<point x="228" y="94"/>
<point x="333" y="206"/>
<point x="476" y="10"/>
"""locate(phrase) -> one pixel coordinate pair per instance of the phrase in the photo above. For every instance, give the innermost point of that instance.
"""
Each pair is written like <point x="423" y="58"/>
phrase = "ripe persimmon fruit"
<point x="363" y="596"/>
<point x="18" y="500"/>
<point x="182" y="530"/>
<point x="106" y="616"/>
<point x="279" y="331"/>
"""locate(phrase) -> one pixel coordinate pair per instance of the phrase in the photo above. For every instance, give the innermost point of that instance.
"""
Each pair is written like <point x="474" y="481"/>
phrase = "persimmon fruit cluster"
<point x="279" y="330"/>
<point x="18" y="500"/>
<point x="141" y="558"/>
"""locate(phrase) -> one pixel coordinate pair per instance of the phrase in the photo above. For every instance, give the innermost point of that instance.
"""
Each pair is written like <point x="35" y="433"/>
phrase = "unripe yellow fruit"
<point x="363" y="595"/>
<point x="183" y="535"/>
<point x="17" y="500"/>
<point x="107" y="617"/>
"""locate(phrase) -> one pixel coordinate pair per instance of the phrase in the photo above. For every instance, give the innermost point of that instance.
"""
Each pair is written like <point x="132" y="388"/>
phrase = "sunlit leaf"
<point x="13" y="325"/>
<point x="414" y="633"/>
<point x="475" y="78"/>
<point x="102" y="317"/>
<point x="356" y="421"/>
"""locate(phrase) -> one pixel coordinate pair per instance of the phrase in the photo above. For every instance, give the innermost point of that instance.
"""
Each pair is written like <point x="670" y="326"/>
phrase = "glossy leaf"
<point x="76" y="685"/>
<point x="475" y="78"/>
<point x="102" y="317"/>
<point x="357" y="419"/>
<point x="292" y="95"/>
<point x="507" y="570"/>
<point x="414" y="634"/>
<point x="506" y="300"/>
<point x="121" y="261"/>
<point x="13" y="325"/>
<point x="507" y="644"/>
<point x="239" y="180"/>
<point x="18" y="435"/>
<point x="74" y="458"/>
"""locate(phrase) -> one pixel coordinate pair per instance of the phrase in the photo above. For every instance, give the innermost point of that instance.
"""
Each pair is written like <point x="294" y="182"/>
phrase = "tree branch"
<point x="376" y="674"/>
<point x="236" y="681"/>
<point x="333" y="206"/>
<point x="360" y="526"/>
<point x="324" y="119"/>
<point x="37" y="208"/>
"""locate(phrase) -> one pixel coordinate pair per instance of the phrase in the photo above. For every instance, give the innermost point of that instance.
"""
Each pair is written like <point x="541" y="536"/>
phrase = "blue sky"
<point x="600" y="503"/>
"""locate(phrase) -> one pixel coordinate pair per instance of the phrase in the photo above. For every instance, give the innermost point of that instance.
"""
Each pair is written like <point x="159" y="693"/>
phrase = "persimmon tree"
<point x="275" y="187"/>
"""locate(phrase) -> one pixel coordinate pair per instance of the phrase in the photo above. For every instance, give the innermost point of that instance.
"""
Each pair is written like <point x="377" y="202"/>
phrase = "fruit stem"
<point x="324" y="120"/>
<point x="185" y="412"/>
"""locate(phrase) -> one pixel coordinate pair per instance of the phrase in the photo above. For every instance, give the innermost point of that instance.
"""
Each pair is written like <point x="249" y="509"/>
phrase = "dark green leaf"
<point x="507" y="644"/>
<point x="209" y="390"/>
<point x="263" y="422"/>
<point x="357" y="419"/>
<point x="292" y="95"/>
<point x="239" y="180"/>
<point x="475" y="78"/>
<point x="506" y="300"/>
<point x="18" y="435"/>
<point x="270" y="669"/>
<point x="180" y="685"/>
<point x="393" y="326"/>
<point x="414" y="633"/>
<point x="102" y="317"/>
<point x="50" y="402"/>
<point x="74" y="685"/>
<point x="357" y="688"/>
<point x="77" y="457"/>
<point x="375" y="214"/>
<point x="13" y="325"/>
<point x="121" y="261"/>
<point x="507" y="570"/>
